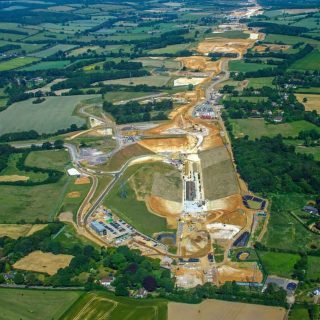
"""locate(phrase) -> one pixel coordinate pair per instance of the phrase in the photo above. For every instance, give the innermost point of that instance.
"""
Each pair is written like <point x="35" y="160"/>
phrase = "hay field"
<point x="47" y="117"/>
<point x="45" y="262"/>
<point x="313" y="101"/>
<point x="104" y="305"/>
<point x="15" y="231"/>
<point x="223" y="310"/>
<point x="35" y="304"/>
<point x="219" y="177"/>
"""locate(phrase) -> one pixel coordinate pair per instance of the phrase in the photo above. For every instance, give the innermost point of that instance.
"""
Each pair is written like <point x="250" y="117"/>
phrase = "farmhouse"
<point x="106" y="282"/>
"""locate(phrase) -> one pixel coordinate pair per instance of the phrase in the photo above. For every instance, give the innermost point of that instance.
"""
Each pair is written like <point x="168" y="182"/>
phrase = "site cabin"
<point x="73" y="172"/>
<point x="106" y="282"/>
<point x="98" y="228"/>
<point x="310" y="209"/>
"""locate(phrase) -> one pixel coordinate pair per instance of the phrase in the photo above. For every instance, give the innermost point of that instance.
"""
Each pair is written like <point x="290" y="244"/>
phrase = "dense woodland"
<point x="269" y="165"/>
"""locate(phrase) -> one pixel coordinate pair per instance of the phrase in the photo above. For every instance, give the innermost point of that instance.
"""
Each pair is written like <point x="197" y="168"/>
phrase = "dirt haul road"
<point x="197" y="239"/>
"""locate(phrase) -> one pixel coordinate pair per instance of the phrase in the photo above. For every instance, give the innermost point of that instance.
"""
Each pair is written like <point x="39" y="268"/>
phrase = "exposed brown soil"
<point x="217" y="44"/>
<point x="164" y="208"/>
<point x="82" y="180"/>
<point x="169" y="144"/>
<point x="199" y="63"/>
<point x="45" y="262"/>
<point x="242" y="272"/>
<point x="74" y="194"/>
<point x="223" y="310"/>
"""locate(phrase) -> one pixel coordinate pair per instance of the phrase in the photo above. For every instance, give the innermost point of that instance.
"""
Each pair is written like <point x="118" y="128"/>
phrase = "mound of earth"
<point x="219" y="177"/>
<point x="242" y="272"/>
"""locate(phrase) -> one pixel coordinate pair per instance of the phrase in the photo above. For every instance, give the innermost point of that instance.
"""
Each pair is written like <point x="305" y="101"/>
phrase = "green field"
<point x="104" y="305"/>
<point x="284" y="39"/>
<point x="32" y="202"/>
<point x="156" y="81"/>
<point x="309" y="62"/>
<point x="12" y="169"/>
<point x="257" y="83"/>
<point x="284" y="231"/>
<point x="48" y="159"/>
<point x="53" y="114"/>
<point x="241" y="66"/>
<point x="299" y="313"/>
<point x="122" y="200"/>
<point x="279" y="264"/>
<point x="174" y="48"/>
<point x="46" y="65"/>
<point x="35" y="304"/>
<point x="249" y="99"/>
<point x="315" y="151"/>
<point x="256" y="128"/>
<point x="52" y="50"/>
<point x="313" y="271"/>
<point x="16" y="63"/>
<point x="311" y="90"/>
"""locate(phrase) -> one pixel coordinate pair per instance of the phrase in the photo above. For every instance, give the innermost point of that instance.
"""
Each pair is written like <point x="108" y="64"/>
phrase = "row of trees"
<point x="135" y="112"/>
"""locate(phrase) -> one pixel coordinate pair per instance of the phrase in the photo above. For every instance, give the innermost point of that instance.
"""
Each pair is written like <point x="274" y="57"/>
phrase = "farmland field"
<point x="35" y="304"/>
<point x="16" y="63"/>
<point x="260" y="82"/>
<point x="299" y="313"/>
<point x="157" y="81"/>
<point x="174" y="48"/>
<point x="45" y="65"/>
<point x="50" y="51"/>
<point x="53" y="114"/>
<point x="15" y="231"/>
<point x="218" y="310"/>
<point x="279" y="264"/>
<point x="281" y="38"/>
<point x="29" y="203"/>
<point x="45" y="262"/>
<point x="53" y="159"/>
<point x="107" y="306"/>
<point x="241" y="66"/>
<point x="312" y="103"/>
<point x="256" y="128"/>
<point x="309" y="62"/>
